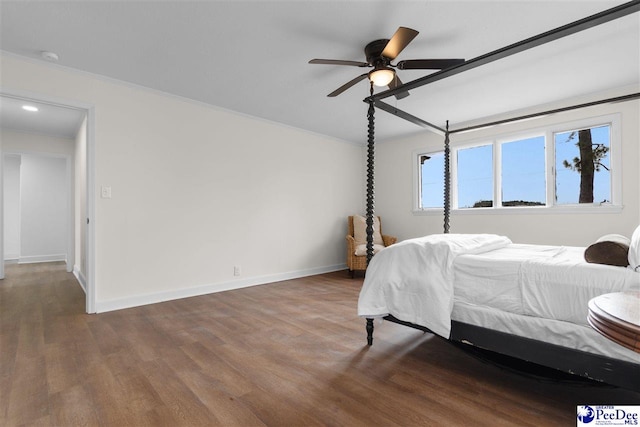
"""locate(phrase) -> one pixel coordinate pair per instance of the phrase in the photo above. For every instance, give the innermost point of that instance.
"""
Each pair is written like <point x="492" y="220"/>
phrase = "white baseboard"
<point x="139" y="300"/>
<point x="42" y="258"/>
<point x="11" y="257"/>
<point x="80" y="278"/>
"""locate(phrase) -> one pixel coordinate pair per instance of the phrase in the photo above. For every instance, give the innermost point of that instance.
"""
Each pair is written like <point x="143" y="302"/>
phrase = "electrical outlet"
<point x="236" y="270"/>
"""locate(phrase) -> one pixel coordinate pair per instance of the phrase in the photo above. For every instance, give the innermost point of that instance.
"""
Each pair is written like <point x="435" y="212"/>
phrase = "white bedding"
<point x="552" y="282"/>
<point x="491" y="278"/>
<point x="397" y="278"/>
<point x="517" y="288"/>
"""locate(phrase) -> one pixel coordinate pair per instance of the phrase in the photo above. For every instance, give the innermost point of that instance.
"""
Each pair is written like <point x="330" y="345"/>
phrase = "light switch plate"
<point x="106" y="192"/>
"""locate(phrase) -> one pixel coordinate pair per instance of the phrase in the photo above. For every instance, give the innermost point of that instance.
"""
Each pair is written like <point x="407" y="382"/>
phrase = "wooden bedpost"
<point x="369" y="331"/>
<point x="447" y="181"/>
<point x="370" y="176"/>
<point x="370" y="197"/>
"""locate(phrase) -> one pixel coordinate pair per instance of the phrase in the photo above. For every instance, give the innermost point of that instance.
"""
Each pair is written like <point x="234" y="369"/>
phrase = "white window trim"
<point x="416" y="179"/>
<point x="616" y="205"/>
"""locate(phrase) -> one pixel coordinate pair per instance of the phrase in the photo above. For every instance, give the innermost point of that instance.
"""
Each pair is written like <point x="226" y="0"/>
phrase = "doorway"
<point x="35" y="139"/>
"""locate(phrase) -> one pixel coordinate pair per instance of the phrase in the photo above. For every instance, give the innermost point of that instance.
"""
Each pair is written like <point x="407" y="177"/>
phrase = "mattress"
<point x="552" y="282"/>
<point x="566" y="334"/>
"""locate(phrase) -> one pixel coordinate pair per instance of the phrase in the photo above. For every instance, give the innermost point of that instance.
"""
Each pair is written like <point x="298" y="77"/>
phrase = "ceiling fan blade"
<point x="394" y="84"/>
<point x="339" y="62"/>
<point x="428" y="64"/>
<point x="348" y="85"/>
<point x="398" y="42"/>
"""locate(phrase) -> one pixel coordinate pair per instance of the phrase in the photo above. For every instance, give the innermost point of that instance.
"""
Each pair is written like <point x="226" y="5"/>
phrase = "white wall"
<point x="197" y="190"/>
<point x="44" y="208"/>
<point x="394" y="187"/>
<point x="14" y="141"/>
<point x="11" y="188"/>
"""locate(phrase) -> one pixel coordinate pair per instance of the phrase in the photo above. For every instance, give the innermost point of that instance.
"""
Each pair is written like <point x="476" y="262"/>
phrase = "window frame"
<point x="417" y="180"/>
<point x="615" y="158"/>
<point x="454" y="170"/>
<point x="516" y="137"/>
<point x="548" y="132"/>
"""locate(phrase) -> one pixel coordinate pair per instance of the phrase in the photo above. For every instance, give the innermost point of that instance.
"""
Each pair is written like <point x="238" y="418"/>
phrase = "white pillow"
<point x="360" y="230"/>
<point x="634" y="250"/>
<point x="361" y="250"/>
<point x="618" y="238"/>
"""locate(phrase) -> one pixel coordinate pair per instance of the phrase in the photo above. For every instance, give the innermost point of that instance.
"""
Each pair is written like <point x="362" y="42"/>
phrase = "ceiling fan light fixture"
<point x="382" y="76"/>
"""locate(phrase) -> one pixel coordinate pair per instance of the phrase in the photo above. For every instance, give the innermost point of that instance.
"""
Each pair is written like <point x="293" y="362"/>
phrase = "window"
<point x="523" y="175"/>
<point x="583" y="170"/>
<point x="431" y="180"/>
<point x="475" y="177"/>
<point x="568" y="166"/>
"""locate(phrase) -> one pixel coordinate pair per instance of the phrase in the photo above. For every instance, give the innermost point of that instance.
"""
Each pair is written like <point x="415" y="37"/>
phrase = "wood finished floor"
<point x="291" y="353"/>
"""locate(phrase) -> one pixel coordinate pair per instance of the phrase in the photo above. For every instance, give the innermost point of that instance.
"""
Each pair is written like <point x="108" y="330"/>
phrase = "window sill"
<point x="541" y="210"/>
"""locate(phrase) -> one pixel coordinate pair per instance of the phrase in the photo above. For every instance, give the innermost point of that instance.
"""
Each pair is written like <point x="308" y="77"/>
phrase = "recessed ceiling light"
<point x="30" y="108"/>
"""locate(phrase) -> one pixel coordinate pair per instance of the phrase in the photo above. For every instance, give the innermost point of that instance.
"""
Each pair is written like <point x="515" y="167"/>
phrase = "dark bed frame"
<point x="575" y="362"/>
<point x="599" y="368"/>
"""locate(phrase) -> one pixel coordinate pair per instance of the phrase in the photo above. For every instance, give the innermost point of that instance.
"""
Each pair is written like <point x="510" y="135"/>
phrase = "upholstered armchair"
<point x="357" y="242"/>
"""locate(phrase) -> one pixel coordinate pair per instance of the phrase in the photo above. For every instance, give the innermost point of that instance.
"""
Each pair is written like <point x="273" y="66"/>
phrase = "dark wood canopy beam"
<point x="548" y="112"/>
<point x="411" y="118"/>
<point x="555" y="34"/>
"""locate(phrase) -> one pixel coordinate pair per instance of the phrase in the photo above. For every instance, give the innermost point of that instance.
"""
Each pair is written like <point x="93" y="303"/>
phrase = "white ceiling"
<point x="49" y="119"/>
<point x="251" y="56"/>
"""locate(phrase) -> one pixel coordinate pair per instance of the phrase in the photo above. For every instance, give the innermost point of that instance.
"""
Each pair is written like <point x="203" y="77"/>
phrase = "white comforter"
<point x="396" y="278"/>
<point x="549" y="282"/>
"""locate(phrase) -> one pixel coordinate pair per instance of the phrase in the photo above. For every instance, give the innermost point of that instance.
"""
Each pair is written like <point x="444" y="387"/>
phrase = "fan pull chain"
<point x="370" y="165"/>
<point x="447" y="181"/>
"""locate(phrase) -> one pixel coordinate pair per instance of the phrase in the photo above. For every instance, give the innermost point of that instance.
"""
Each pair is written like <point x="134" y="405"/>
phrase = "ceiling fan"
<point x="379" y="54"/>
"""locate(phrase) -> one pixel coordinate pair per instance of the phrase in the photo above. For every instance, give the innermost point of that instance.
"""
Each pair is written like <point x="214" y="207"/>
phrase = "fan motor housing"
<point x="373" y="52"/>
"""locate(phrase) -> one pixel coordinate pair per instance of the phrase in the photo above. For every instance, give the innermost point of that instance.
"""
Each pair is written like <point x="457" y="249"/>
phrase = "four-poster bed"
<point x="503" y="330"/>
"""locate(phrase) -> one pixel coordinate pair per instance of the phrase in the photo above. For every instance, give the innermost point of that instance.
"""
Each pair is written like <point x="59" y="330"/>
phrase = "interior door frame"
<point x="89" y="285"/>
